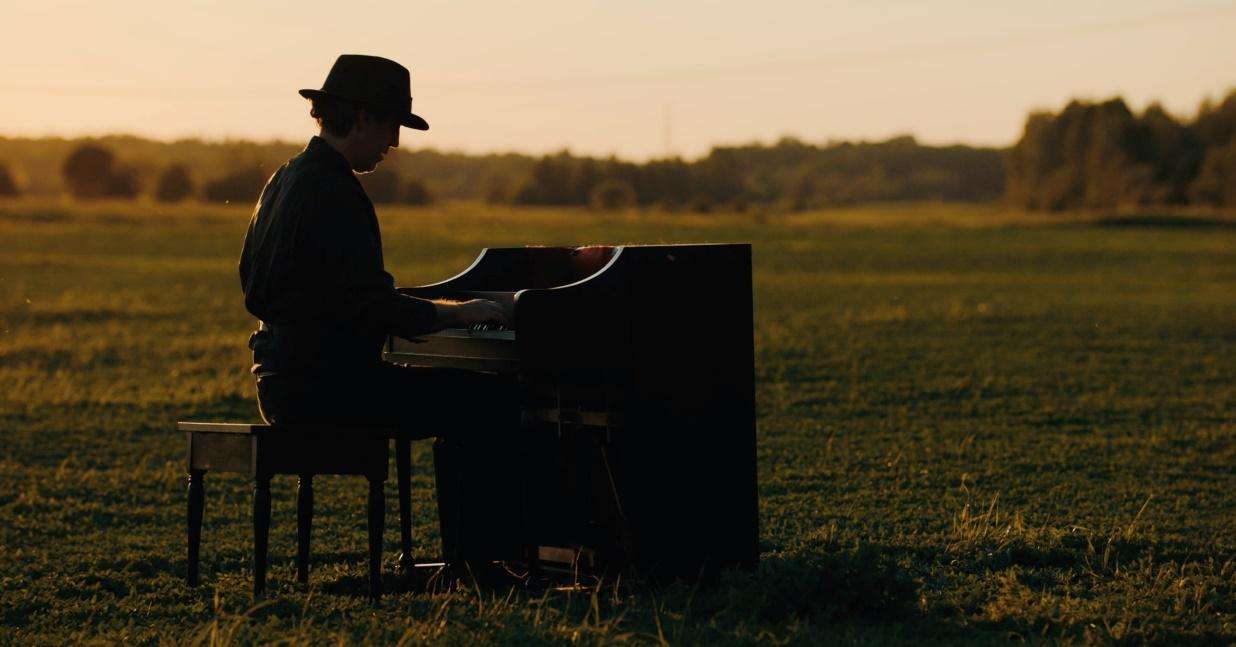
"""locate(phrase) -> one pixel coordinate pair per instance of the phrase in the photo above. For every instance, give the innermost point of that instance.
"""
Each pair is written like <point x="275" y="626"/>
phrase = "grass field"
<point x="973" y="427"/>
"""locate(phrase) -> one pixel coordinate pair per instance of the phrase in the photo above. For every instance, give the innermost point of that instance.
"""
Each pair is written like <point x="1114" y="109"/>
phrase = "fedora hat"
<point x="371" y="80"/>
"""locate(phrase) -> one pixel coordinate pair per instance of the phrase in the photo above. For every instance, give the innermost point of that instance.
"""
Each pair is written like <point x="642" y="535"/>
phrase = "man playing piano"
<point x="312" y="273"/>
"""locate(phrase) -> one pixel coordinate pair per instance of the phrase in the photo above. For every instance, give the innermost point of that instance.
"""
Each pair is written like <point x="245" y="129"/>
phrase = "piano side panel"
<point x="692" y="414"/>
<point x="670" y="329"/>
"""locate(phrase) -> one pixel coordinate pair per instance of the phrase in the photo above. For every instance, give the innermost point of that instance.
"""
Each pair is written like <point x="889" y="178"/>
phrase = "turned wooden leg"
<point x="197" y="502"/>
<point x="304" y="525"/>
<point x="377" y="514"/>
<point x="261" y="531"/>
<point x="403" y="468"/>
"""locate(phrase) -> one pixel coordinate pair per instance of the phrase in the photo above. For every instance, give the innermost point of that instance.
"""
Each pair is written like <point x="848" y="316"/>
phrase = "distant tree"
<point x="123" y="183"/>
<point x="1216" y="181"/>
<point x="416" y="194"/>
<point x="243" y="185"/>
<point x="718" y="178"/>
<point x="1216" y="125"/>
<point x="803" y="192"/>
<point x="555" y="180"/>
<point x="88" y="171"/>
<point x="1098" y="155"/>
<point x="8" y="184"/>
<point x="611" y="194"/>
<point x="667" y="182"/>
<point x="1168" y="156"/>
<point x="174" y="184"/>
<point x="383" y="185"/>
<point x="1102" y="155"/>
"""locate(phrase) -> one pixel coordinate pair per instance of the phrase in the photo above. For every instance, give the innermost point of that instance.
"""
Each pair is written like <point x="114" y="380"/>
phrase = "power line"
<point x="851" y="59"/>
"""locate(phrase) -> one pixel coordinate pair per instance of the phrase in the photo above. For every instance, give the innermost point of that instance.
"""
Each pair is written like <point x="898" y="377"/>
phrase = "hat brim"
<point x="408" y="120"/>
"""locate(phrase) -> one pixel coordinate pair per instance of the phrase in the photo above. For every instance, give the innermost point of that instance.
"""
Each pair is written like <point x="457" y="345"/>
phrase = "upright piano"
<point x="636" y="370"/>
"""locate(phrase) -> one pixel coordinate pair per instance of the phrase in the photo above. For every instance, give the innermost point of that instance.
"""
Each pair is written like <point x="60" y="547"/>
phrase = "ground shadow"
<point x="1162" y="221"/>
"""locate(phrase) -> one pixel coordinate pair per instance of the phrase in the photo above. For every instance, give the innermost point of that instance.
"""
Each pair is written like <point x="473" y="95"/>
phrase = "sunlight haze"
<point x="637" y="79"/>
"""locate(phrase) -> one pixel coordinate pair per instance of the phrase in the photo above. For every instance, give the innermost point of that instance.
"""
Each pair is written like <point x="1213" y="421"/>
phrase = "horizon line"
<point x="279" y="141"/>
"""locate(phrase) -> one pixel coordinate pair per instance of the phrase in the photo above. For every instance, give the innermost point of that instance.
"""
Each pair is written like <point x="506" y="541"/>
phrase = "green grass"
<point x="985" y="428"/>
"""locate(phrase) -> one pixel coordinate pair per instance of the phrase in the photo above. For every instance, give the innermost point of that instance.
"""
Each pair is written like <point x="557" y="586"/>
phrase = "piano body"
<point x="636" y="366"/>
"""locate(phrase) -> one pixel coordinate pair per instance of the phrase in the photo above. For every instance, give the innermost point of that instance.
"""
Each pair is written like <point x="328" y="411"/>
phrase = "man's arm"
<point x="338" y="234"/>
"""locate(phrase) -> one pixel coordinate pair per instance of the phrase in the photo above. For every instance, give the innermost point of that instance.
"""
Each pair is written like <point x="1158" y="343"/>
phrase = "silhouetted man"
<point x="312" y="272"/>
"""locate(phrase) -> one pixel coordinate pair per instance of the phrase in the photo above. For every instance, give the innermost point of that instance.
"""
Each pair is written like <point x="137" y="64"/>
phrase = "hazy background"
<point x="638" y="79"/>
<point x="994" y="285"/>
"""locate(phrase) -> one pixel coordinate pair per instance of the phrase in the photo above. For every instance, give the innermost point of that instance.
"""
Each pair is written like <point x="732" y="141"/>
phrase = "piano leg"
<point x="403" y="468"/>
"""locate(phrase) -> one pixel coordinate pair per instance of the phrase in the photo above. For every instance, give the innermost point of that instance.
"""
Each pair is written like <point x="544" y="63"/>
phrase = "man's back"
<point x="312" y="271"/>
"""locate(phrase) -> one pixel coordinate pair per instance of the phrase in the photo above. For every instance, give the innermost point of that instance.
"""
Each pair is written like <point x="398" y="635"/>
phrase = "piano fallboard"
<point x="486" y="350"/>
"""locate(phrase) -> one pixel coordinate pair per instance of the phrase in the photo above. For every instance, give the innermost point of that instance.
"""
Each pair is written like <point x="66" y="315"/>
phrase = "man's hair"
<point x="338" y="116"/>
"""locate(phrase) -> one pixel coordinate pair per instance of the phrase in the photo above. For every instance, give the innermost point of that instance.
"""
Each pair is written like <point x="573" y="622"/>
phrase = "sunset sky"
<point x="634" y="78"/>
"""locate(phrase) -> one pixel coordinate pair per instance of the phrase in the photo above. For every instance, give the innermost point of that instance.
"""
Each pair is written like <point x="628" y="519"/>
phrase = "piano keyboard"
<point x="490" y="331"/>
<point x="476" y="348"/>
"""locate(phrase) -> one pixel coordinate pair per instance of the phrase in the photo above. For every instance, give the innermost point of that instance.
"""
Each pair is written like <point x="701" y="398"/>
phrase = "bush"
<point x="90" y="172"/>
<point x="242" y="185"/>
<point x="611" y="195"/>
<point x="174" y="184"/>
<point x="8" y="184"/>
<point x="415" y="193"/>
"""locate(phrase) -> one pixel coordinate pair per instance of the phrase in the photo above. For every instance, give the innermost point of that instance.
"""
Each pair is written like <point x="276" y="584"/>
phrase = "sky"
<point x="633" y="78"/>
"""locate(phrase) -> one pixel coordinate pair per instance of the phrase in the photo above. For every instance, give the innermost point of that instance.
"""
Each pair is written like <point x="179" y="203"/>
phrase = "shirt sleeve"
<point x="338" y="231"/>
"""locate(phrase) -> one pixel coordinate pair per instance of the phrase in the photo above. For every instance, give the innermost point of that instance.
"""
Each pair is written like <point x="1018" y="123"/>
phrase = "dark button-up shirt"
<point x="312" y="271"/>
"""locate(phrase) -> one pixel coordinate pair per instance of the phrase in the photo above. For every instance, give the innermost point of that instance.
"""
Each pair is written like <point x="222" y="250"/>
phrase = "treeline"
<point x="788" y="175"/>
<point x="226" y="172"/>
<point x="1089" y="155"/>
<point x="1102" y="155"/>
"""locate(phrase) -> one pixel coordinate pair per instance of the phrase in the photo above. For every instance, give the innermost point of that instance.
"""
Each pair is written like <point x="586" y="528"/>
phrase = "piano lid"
<point x="510" y="269"/>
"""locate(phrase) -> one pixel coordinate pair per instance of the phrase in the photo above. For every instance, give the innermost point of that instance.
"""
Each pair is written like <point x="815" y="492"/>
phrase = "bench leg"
<point x="403" y="468"/>
<point x="377" y="514"/>
<point x="261" y="532"/>
<point x="197" y="502"/>
<point x="304" y="525"/>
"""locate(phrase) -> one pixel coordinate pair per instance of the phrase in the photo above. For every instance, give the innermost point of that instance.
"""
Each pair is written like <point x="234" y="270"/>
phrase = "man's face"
<point x="373" y="140"/>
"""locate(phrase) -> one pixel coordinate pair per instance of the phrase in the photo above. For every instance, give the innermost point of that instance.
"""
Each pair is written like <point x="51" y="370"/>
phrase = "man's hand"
<point x="461" y="314"/>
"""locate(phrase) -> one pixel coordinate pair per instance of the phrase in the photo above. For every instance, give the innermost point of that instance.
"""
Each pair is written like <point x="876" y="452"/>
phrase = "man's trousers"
<point x="475" y="417"/>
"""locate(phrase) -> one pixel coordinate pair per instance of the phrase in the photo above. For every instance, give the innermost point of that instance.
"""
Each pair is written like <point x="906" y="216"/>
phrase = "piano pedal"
<point x="424" y="577"/>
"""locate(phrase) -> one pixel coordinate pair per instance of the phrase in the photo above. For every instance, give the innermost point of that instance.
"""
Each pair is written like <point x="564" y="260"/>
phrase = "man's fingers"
<point x="487" y="311"/>
<point x="498" y="312"/>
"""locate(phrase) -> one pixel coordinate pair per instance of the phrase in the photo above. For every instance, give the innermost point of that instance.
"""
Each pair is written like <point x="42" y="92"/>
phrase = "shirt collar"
<point x="320" y="150"/>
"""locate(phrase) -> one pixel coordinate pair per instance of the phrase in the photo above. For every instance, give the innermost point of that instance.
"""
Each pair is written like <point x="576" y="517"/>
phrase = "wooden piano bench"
<point x="262" y="451"/>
